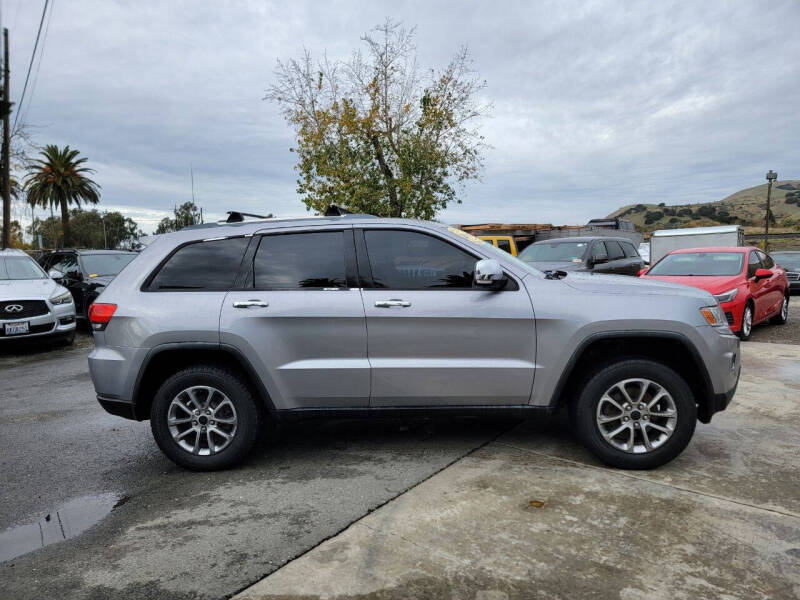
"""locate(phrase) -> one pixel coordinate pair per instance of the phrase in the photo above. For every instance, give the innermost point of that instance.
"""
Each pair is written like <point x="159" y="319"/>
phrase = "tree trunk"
<point x="397" y="208"/>
<point x="65" y="224"/>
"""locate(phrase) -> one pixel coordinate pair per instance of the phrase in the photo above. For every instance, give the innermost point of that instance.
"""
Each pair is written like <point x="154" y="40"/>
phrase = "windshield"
<point x="105" y="264"/>
<point x="699" y="264"/>
<point x="20" y="267"/>
<point x="554" y="252"/>
<point x="788" y="260"/>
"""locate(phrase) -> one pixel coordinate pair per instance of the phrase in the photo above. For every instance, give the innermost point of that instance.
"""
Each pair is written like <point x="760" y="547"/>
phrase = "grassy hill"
<point x="746" y="207"/>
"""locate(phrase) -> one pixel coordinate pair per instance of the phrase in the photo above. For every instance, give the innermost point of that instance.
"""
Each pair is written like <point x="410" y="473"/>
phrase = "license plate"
<point x="16" y="328"/>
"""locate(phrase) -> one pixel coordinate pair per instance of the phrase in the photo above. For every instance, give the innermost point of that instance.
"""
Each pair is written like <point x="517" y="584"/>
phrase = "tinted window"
<point x="300" y="260"/>
<point x="614" y="251"/>
<point x="699" y="264"/>
<point x="599" y="251"/>
<point x="766" y="261"/>
<point x="753" y="264"/>
<point x="554" y="252"/>
<point x="202" y="266"/>
<point x="504" y="245"/>
<point x="407" y="260"/>
<point x="630" y="251"/>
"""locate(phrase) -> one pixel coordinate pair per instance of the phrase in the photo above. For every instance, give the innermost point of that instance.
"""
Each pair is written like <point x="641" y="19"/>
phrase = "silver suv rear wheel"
<point x="202" y="420"/>
<point x="205" y="417"/>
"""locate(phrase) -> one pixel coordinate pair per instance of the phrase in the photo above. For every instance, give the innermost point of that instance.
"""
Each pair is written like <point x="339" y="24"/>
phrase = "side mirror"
<point x="600" y="260"/>
<point x="642" y="272"/>
<point x="489" y="275"/>
<point x="762" y="274"/>
<point x="56" y="274"/>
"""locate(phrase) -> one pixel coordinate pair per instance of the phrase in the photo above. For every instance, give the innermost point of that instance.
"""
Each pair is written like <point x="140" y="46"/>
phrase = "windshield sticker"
<point x="467" y="236"/>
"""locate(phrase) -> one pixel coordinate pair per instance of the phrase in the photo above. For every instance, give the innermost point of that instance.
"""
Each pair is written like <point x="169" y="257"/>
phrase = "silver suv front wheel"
<point x="202" y="420"/>
<point x="635" y="414"/>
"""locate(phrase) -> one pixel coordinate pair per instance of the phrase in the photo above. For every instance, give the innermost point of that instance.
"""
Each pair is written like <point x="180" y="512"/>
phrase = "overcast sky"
<point x="596" y="104"/>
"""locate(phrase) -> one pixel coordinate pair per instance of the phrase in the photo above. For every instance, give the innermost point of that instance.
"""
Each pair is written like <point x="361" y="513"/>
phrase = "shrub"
<point x="674" y="220"/>
<point x="685" y="212"/>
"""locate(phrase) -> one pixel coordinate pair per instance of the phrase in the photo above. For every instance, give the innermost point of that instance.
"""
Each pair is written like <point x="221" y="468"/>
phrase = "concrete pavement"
<point x="532" y="515"/>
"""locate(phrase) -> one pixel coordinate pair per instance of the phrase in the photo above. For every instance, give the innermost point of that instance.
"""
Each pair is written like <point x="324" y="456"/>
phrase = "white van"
<point x="664" y="241"/>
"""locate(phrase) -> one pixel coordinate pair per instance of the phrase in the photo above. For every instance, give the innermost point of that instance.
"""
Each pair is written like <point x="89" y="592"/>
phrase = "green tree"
<point x="15" y="235"/>
<point x="60" y="179"/>
<point x="184" y="215"/>
<point x="375" y="135"/>
<point x="91" y="229"/>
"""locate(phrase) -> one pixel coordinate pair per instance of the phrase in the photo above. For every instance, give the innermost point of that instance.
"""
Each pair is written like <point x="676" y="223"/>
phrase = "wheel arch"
<point x="166" y="360"/>
<point x="670" y="348"/>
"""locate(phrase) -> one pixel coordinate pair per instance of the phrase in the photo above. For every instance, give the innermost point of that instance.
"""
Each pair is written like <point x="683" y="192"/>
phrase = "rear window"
<point x="211" y="265"/>
<point x="614" y="251"/>
<point x="630" y="251"/>
<point x="105" y="264"/>
<point x="699" y="264"/>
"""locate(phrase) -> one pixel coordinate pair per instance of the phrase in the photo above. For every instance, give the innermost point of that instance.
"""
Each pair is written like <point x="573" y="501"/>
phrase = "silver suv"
<point x="211" y="331"/>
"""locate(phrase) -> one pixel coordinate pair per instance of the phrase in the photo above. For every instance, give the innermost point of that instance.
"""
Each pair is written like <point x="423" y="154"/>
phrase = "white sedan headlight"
<point x="726" y="296"/>
<point x="61" y="298"/>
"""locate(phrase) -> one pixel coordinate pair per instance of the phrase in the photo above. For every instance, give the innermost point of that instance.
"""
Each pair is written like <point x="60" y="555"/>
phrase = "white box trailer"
<point x="664" y="241"/>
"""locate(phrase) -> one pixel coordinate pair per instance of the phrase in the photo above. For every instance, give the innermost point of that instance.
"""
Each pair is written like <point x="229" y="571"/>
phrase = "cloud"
<point x="597" y="104"/>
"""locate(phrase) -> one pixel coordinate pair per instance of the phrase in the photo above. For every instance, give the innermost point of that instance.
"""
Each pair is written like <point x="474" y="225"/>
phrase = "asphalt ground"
<point x="174" y="534"/>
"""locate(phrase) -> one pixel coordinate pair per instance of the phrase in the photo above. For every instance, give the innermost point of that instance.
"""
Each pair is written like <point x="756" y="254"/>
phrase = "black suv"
<point x="85" y="273"/>
<point x="614" y="255"/>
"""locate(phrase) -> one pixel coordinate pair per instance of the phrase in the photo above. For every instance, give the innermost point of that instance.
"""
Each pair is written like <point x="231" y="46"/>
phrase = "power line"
<point x="30" y="65"/>
<point x="39" y="63"/>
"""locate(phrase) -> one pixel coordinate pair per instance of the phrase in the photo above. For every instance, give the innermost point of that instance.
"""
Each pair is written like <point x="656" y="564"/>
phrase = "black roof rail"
<point x="235" y="216"/>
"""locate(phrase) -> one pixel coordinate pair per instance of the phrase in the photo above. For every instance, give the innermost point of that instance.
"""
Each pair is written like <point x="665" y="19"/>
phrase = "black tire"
<point x="783" y="316"/>
<point x="745" y="335"/>
<point x="585" y="407"/>
<point x="248" y="417"/>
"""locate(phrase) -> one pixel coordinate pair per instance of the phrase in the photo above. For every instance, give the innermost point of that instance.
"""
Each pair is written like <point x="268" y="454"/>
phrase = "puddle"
<point x="67" y="521"/>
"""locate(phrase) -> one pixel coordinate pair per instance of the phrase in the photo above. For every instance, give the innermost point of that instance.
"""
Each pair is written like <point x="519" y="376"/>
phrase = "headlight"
<point x="726" y="296"/>
<point x="714" y="315"/>
<point x="62" y="298"/>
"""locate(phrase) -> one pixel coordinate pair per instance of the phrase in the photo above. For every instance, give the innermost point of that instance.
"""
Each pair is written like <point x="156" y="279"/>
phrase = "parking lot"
<point x="398" y="508"/>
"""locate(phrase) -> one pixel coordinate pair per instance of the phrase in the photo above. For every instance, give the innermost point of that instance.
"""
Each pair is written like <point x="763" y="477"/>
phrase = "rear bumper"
<point x="117" y="407"/>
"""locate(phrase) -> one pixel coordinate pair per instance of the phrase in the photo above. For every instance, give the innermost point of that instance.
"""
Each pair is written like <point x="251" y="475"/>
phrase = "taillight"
<point x="100" y="314"/>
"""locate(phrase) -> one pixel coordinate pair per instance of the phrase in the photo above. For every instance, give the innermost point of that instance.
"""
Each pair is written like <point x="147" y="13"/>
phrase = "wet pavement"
<point x="533" y="515"/>
<point x="788" y="333"/>
<point x="181" y="534"/>
<point x="146" y="529"/>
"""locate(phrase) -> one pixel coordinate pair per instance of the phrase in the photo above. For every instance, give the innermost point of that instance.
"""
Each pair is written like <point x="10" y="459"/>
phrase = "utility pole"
<point x="5" y="167"/>
<point x="771" y="176"/>
<point x="105" y="239"/>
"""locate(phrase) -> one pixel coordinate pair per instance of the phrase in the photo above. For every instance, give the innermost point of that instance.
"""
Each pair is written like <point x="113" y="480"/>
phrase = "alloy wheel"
<point x="785" y="308"/>
<point x="747" y="321"/>
<point x="636" y="415"/>
<point x="202" y="420"/>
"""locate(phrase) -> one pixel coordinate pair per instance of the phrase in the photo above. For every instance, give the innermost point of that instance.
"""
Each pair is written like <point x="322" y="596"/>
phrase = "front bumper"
<point x="722" y="357"/>
<point x="59" y="321"/>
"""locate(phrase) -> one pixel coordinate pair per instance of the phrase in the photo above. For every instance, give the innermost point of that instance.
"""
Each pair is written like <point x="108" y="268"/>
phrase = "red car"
<point x="748" y="284"/>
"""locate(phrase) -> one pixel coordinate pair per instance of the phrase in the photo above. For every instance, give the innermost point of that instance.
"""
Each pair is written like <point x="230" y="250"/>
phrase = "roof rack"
<point x="235" y="216"/>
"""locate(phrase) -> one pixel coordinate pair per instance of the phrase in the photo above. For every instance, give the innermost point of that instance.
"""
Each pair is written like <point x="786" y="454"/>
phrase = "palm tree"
<point x="59" y="179"/>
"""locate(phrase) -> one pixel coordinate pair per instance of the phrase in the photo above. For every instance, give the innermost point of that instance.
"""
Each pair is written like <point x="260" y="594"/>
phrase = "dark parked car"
<point x="617" y="256"/>
<point x="85" y="273"/>
<point x="789" y="260"/>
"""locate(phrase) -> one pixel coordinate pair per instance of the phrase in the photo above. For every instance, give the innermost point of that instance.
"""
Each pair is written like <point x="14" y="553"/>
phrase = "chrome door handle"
<point x="250" y="304"/>
<point x="390" y="303"/>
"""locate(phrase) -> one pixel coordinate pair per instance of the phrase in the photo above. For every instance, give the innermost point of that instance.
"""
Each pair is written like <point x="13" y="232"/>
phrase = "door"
<point x="758" y="289"/>
<point x="773" y="291"/>
<point x="617" y="263"/>
<point x="434" y="340"/>
<point x="633" y="259"/>
<point x="300" y="321"/>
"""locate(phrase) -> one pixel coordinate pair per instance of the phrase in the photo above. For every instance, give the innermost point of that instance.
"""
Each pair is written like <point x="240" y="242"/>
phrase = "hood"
<point x="28" y="289"/>
<point x="557" y="266"/>
<point x="630" y="286"/>
<point x="714" y="284"/>
<point x="99" y="281"/>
